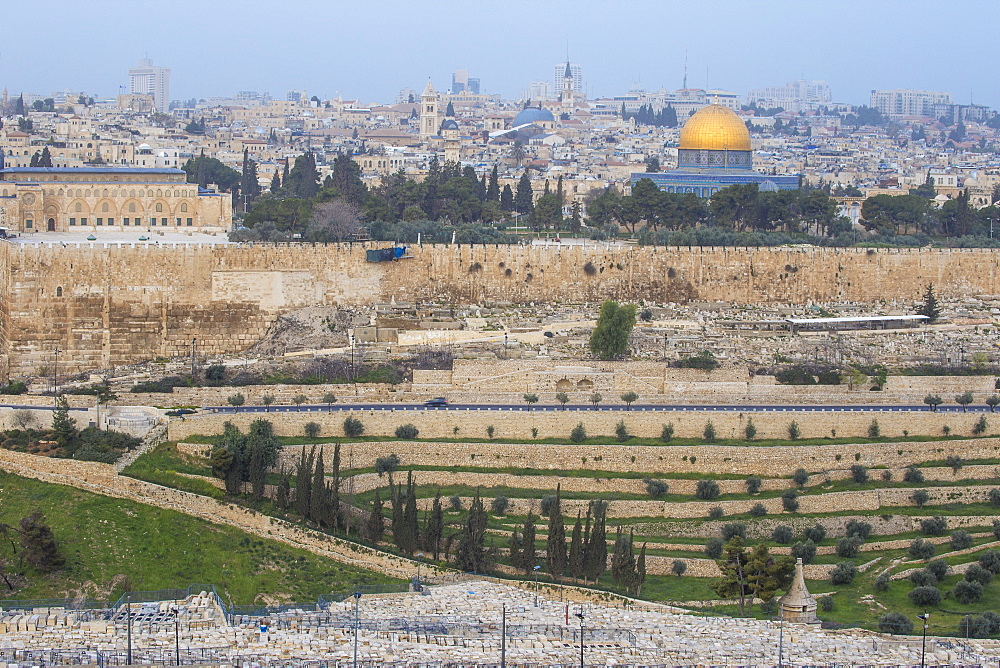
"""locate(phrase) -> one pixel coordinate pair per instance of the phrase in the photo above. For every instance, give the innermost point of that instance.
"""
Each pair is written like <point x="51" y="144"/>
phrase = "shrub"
<point x="656" y="488"/>
<point x="843" y="573"/>
<point x="753" y="484"/>
<point x="858" y="529"/>
<point x="596" y="398"/>
<point x="678" y="567"/>
<point x="887" y="475"/>
<point x="925" y="597"/>
<point x="979" y="626"/>
<point x="848" y="547"/>
<point x="407" y="431"/>
<point x="546" y="503"/>
<point x="782" y="534"/>
<point x="934" y="526"/>
<point x="790" y="500"/>
<point x="758" y="510"/>
<point x="805" y="551"/>
<point x="793" y="431"/>
<point x="706" y="490"/>
<point x="938" y="568"/>
<point x="530" y="399"/>
<point x="628" y="398"/>
<point x="734" y="529"/>
<point x="955" y="462"/>
<point x="920" y="497"/>
<point x="236" y="399"/>
<point x="859" y="474"/>
<point x="385" y="465"/>
<point x="750" y="430"/>
<point x="815" y="533"/>
<point x="922" y="578"/>
<point x="353" y="427"/>
<point x="499" y="504"/>
<point x="874" y="431"/>
<point x="976" y="573"/>
<point x="961" y="539"/>
<point x="800" y="477"/>
<point x="921" y="549"/>
<point x="980" y="427"/>
<point x="996" y="529"/>
<point x="312" y="429"/>
<point x="990" y="560"/>
<point x="825" y="603"/>
<point x="621" y="433"/>
<point x="490" y="430"/>
<point x="995" y="497"/>
<point x="895" y="623"/>
<point x="966" y="592"/>
<point x="579" y="433"/>
<point x="713" y="548"/>
<point x="715" y="512"/>
<point x="913" y="474"/>
<point x="455" y="502"/>
<point x="667" y="434"/>
<point x="562" y="398"/>
<point x="881" y="582"/>
<point x="709" y="433"/>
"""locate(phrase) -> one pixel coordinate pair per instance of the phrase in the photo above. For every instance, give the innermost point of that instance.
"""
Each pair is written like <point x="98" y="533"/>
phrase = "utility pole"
<point x="55" y="378"/>
<point x="357" y="625"/>
<point x="177" y="637"/>
<point x="193" y="341"/>
<point x="923" y="642"/>
<point x="580" y="615"/>
<point x="128" y="625"/>
<point x="503" y="636"/>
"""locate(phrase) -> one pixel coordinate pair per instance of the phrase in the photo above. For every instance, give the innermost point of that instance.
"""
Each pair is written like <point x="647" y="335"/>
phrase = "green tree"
<point x="575" y="558"/>
<point x="471" y="553"/>
<point x="303" y="179"/>
<point x="964" y="400"/>
<point x="609" y="339"/>
<point x="203" y="171"/>
<point x="320" y="497"/>
<point x="434" y="527"/>
<point x="623" y="561"/>
<point x="596" y="548"/>
<point x="930" y="307"/>
<point x="628" y="398"/>
<point x="933" y="401"/>
<point x="375" y="524"/>
<point x="507" y="199"/>
<point x="523" y="199"/>
<point x="63" y="426"/>
<point x="38" y="544"/>
<point x="555" y="546"/>
<point x="562" y="398"/>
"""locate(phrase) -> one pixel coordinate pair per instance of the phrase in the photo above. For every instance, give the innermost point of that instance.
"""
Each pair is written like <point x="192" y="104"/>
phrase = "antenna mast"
<point x="685" y="68"/>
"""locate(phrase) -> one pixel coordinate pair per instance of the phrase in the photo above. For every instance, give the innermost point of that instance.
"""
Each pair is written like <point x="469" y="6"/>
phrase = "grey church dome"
<point x="533" y="115"/>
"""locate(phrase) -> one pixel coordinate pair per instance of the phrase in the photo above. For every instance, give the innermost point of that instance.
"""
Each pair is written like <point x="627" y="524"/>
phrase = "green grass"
<point x="162" y="466"/>
<point x="155" y="548"/>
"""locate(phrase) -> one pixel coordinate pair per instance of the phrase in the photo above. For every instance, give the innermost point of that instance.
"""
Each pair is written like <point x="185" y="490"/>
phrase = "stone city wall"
<point x="109" y="304"/>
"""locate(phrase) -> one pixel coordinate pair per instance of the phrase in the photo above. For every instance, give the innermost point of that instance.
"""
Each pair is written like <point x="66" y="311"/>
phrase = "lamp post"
<point x="781" y="636"/>
<point x="55" y="378"/>
<point x="177" y="637"/>
<point x="357" y="625"/>
<point x="580" y="615"/>
<point x="503" y="635"/>
<point x="420" y="561"/>
<point x="193" y="341"/>
<point x="536" y="569"/>
<point x="128" y="627"/>
<point x="923" y="641"/>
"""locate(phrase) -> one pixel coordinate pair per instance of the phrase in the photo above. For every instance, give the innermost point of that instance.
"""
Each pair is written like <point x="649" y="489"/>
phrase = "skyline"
<point x="242" y="46"/>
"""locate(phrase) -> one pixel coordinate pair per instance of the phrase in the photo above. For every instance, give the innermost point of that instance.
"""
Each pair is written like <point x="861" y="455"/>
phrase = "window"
<point x="159" y="207"/>
<point x="189" y="222"/>
<point x="184" y="207"/>
<point x="29" y="224"/>
<point x="79" y="207"/>
<point x="131" y="207"/>
<point x="100" y="221"/>
<point x="152" y="222"/>
<point x="83" y="221"/>
<point x="59" y="291"/>
<point x="111" y="221"/>
<point x="178" y="222"/>
<point x="104" y="207"/>
<point x="163" y="221"/>
<point x="72" y="221"/>
<point x="125" y="222"/>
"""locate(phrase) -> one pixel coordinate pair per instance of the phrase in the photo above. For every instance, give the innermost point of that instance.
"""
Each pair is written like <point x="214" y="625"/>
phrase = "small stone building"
<point x="798" y="606"/>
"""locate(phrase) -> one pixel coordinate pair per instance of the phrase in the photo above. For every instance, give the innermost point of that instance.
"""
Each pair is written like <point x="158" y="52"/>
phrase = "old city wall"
<point x="104" y="304"/>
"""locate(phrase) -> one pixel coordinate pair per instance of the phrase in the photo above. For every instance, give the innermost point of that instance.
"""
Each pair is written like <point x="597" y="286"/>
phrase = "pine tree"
<point x="63" y="426"/>
<point x="559" y="193"/>
<point x="275" y="183"/>
<point x="575" y="220"/>
<point x="555" y="546"/>
<point x="930" y="306"/>
<point x="318" y="506"/>
<point x="576" y="550"/>
<point x="282" y="494"/>
<point x="46" y="158"/>
<point x="375" y="525"/>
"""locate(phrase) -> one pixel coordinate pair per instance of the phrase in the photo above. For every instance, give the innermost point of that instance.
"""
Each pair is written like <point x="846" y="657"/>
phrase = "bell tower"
<point x="568" y="98"/>
<point x="428" y="112"/>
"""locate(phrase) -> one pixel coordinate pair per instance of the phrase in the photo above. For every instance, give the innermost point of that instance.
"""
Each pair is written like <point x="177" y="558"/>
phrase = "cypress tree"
<point x="528" y="553"/>
<point x="560" y="194"/>
<point x="375" y="526"/>
<point x="19" y="105"/>
<point x="63" y="426"/>
<point x="507" y="198"/>
<point x="471" y="554"/>
<point x="334" y="509"/>
<point x="597" y="546"/>
<point x="396" y="500"/>
<point x="493" y="189"/>
<point x="275" y="182"/>
<point x="640" y="571"/>
<point x="434" y="527"/>
<point x="516" y="547"/>
<point x="576" y="550"/>
<point x="318" y="507"/>
<point x="410" y="526"/>
<point x="585" y="547"/>
<point x="283" y="491"/>
<point x="303" y="481"/>
<point x="523" y="200"/>
<point x="555" y="546"/>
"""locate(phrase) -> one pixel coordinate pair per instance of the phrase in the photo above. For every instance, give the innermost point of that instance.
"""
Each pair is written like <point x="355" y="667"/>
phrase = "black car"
<point x="436" y="401"/>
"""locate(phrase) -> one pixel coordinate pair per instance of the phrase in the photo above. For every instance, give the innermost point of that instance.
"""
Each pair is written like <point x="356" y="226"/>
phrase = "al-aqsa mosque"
<point x="715" y="153"/>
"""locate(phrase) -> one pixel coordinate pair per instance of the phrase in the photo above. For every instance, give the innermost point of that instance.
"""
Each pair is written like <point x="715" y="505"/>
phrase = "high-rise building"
<point x="150" y="79"/>
<point x="794" y="96"/>
<point x="560" y="71"/>
<point x="461" y="82"/>
<point x="896" y="104"/>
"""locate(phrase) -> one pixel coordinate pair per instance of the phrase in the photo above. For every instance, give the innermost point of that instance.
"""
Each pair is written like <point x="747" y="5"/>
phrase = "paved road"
<point x="747" y="408"/>
<point x="39" y="408"/>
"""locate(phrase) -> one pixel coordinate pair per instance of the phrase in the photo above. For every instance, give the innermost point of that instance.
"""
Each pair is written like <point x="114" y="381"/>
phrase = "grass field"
<point x="111" y="544"/>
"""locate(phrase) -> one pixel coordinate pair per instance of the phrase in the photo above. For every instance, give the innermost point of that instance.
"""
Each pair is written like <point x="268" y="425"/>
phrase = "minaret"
<point x="428" y="112"/>
<point x="568" y="98"/>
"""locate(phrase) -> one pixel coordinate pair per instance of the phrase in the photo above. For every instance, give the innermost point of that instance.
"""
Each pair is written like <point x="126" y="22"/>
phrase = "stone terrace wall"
<point x="125" y="303"/>
<point x="472" y="423"/>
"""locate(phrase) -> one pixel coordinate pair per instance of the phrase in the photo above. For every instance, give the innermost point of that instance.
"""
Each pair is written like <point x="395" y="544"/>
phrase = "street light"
<point x="781" y="636"/>
<point x="177" y="636"/>
<point x="193" y="341"/>
<point x="580" y="615"/>
<point x="923" y="642"/>
<point x="503" y="635"/>
<point x="55" y="378"/>
<point x="357" y="597"/>
<point x="536" y="569"/>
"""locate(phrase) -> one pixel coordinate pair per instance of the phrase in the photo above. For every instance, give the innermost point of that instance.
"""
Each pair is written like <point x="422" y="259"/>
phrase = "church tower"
<point x="428" y="112"/>
<point x="567" y="98"/>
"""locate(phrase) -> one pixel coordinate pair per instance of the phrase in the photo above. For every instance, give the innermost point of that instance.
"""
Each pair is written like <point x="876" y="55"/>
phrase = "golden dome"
<point x="715" y="128"/>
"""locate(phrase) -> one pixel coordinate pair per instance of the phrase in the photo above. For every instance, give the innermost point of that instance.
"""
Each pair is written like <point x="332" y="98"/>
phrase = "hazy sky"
<point x="371" y="49"/>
